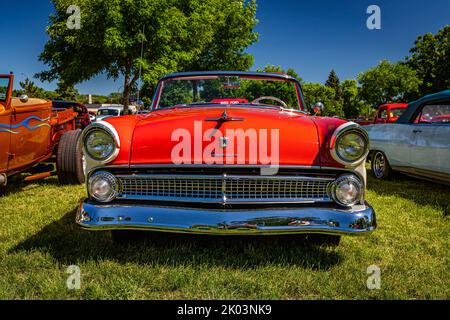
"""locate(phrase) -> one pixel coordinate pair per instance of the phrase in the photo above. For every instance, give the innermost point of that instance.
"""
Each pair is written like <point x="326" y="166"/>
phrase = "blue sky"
<point x="312" y="37"/>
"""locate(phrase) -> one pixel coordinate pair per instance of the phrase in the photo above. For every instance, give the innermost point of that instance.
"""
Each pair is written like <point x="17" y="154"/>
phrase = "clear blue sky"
<point x="311" y="37"/>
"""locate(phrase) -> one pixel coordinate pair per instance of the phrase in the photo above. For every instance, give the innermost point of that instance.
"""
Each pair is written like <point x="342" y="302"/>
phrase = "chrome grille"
<point x="225" y="189"/>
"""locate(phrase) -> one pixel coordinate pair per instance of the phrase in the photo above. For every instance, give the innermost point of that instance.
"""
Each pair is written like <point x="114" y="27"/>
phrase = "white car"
<point x="417" y="144"/>
<point x="109" y="111"/>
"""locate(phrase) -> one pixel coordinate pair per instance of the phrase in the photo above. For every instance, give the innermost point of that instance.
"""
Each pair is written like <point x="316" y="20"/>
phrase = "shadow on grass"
<point x="69" y="244"/>
<point x="421" y="192"/>
<point x="17" y="184"/>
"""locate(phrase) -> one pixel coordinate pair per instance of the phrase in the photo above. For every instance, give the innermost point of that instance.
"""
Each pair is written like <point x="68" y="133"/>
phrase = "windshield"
<point x="228" y="90"/>
<point x="397" y="112"/>
<point x="108" y="112"/>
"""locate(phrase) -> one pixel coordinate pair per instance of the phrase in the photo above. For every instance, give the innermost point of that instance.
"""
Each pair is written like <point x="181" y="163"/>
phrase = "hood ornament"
<point x="224" y="118"/>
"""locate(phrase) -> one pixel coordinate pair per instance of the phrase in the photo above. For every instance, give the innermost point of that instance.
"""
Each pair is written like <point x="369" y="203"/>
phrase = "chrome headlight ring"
<point x="348" y="185"/>
<point x="103" y="186"/>
<point x="341" y="132"/>
<point x="106" y="128"/>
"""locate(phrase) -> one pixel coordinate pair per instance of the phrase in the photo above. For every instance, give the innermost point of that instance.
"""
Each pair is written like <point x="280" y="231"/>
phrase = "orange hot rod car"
<point x="31" y="132"/>
<point x="227" y="153"/>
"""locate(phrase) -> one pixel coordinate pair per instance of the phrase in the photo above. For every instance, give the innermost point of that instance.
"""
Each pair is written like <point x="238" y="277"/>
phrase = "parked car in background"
<point x="417" y="144"/>
<point x="142" y="173"/>
<point x="82" y="119"/>
<point x="387" y="113"/>
<point x="109" y="111"/>
<point x="32" y="132"/>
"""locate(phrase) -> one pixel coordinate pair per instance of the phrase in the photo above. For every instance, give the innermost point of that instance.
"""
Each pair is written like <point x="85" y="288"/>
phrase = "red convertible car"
<point x="215" y="158"/>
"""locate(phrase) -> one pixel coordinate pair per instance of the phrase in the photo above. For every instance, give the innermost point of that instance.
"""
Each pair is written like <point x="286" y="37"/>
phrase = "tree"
<point x="175" y="36"/>
<point x="388" y="82"/>
<point x="352" y="105"/>
<point x="431" y="60"/>
<point x="66" y="92"/>
<point x="334" y="83"/>
<point x="316" y="92"/>
<point x="30" y="89"/>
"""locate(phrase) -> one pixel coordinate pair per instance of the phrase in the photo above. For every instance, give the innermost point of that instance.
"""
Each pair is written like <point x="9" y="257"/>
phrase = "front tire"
<point x="69" y="158"/>
<point x="380" y="166"/>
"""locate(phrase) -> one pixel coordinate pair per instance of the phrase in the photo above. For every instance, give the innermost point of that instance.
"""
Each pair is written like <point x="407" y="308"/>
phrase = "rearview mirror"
<point x="318" y="108"/>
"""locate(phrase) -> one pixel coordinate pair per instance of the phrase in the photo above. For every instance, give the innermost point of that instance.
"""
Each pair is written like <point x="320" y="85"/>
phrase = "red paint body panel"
<point x="147" y="139"/>
<point x="124" y="126"/>
<point x="325" y="128"/>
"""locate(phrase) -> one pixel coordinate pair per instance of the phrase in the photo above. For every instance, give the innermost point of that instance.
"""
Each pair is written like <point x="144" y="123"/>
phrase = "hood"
<point x="225" y="135"/>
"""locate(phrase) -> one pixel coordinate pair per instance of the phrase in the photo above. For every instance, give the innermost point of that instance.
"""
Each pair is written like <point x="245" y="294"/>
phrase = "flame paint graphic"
<point x="25" y="124"/>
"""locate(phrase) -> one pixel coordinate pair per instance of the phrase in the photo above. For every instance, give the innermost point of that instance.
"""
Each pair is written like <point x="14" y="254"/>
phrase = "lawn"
<point x="39" y="240"/>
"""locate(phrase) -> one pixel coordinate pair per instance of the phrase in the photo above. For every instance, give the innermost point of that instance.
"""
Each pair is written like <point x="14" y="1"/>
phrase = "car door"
<point x="393" y="139"/>
<point x="5" y="119"/>
<point x="31" y="139"/>
<point x="430" y="143"/>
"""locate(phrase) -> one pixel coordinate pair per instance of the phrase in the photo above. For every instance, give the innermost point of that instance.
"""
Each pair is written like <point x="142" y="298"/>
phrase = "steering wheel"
<point x="258" y="100"/>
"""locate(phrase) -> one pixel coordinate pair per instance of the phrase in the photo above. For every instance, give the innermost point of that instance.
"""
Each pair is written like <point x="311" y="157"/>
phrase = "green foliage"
<point x="177" y="36"/>
<point x="31" y="90"/>
<point x="316" y="92"/>
<point x="430" y="58"/>
<point x="66" y="92"/>
<point x="353" y="106"/>
<point x="388" y="82"/>
<point x="334" y="82"/>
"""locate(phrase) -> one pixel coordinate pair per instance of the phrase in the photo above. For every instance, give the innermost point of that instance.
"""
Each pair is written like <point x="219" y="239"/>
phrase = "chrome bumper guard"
<point x="264" y="221"/>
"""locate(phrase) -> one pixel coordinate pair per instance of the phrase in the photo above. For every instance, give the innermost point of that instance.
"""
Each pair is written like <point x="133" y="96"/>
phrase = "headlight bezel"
<point x="353" y="179"/>
<point x="108" y="129"/>
<point x="340" y="133"/>
<point x="111" y="180"/>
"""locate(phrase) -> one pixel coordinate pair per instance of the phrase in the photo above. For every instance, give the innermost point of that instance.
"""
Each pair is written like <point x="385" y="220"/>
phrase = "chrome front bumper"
<point x="264" y="221"/>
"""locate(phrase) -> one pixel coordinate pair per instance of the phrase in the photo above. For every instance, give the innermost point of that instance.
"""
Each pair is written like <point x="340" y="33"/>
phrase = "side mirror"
<point x="318" y="108"/>
<point x="24" y="98"/>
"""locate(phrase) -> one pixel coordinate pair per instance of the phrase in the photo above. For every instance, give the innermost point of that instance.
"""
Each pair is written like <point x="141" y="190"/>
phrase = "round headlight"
<point x="351" y="145"/>
<point x="103" y="186"/>
<point x="99" y="144"/>
<point x="346" y="190"/>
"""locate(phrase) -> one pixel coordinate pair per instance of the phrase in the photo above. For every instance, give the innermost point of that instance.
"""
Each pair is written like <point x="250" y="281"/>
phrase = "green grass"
<point x="39" y="240"/>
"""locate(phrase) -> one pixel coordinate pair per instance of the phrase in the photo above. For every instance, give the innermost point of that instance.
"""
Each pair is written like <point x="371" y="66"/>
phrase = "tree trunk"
<point x="126" y="92"/>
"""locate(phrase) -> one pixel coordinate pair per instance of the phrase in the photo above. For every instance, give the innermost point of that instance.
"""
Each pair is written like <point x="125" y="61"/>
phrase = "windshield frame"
<point x="218" y="74"/>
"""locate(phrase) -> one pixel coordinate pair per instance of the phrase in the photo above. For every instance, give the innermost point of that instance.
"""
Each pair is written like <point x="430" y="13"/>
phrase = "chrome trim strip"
<point x="433" y="176"/>
<point x="224" y="177"/>
<point x="220" y="166"/>
<point x="274" y="221"/>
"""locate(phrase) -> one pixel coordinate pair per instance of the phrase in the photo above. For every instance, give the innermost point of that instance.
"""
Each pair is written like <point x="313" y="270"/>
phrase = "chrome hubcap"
<point x="379" y="165"/>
